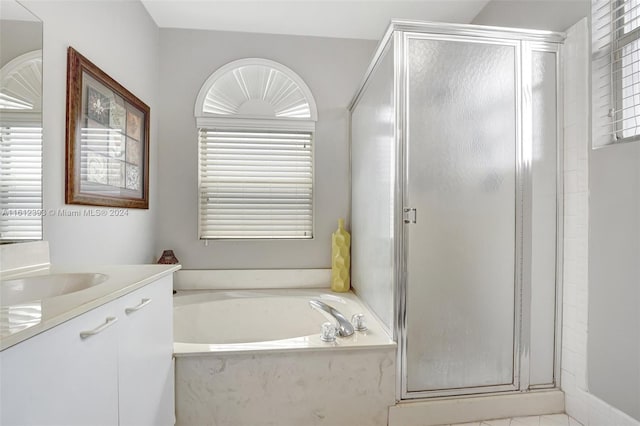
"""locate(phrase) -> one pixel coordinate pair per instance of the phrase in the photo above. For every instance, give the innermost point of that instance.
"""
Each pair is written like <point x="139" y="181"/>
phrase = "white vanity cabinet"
<point x="145" y="351"/>
<point x="59" y="378"/>
<point x="120" y="373"/>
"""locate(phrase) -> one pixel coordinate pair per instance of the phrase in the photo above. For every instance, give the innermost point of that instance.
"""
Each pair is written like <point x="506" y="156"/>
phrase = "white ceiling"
<point x="363" y="19"/>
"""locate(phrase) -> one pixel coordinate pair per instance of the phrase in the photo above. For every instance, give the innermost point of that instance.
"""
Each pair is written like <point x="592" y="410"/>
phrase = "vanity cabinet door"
<point x="146" y="356"/>
<point x="60" y="378"/>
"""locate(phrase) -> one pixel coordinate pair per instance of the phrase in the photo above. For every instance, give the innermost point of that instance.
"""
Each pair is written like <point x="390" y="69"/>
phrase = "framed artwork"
<point x="107" y="139"/>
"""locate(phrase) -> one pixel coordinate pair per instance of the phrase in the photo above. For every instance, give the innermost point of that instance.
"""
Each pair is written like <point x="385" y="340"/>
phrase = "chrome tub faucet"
<point x="344" y="327"/>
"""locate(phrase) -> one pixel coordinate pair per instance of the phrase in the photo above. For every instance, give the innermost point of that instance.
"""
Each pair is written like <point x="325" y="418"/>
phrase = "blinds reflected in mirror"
<point x="20" y="183"/>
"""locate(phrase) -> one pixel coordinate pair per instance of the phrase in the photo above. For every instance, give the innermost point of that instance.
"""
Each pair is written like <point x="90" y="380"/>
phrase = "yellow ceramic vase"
<point x="340" y="259"/>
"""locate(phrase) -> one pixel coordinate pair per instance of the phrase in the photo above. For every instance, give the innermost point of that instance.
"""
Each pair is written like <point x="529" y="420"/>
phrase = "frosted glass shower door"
<point x="461" y="157"/>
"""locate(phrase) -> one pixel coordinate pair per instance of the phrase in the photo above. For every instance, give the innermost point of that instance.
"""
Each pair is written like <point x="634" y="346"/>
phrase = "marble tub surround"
<point x="332" y="388"/>
<point x="22" y="321"/>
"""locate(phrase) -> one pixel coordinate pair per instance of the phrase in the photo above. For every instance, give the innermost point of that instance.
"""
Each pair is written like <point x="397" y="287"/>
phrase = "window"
<point x="21" y="148"/>
<point x="616" y="68"/>
<point x="626" y="68"/>
<point x="256" y="121"/>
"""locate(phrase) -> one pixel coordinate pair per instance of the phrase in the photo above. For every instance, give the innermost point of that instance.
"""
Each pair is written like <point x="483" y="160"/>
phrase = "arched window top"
<point x="255" y="88"/>
<point x="21" y="83"/>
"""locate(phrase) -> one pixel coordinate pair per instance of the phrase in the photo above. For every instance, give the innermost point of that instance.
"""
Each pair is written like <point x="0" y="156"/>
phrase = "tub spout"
<point x="344" y="326"/>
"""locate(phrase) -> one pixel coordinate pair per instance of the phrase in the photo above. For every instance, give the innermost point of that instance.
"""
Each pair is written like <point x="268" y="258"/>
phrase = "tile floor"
<point x="548" y="420"/>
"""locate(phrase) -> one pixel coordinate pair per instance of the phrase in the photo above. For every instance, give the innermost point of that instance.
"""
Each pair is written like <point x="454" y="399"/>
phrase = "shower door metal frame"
<point x="522" y="279"/>
<point x="518" y="196"/>
<point x="528" y="47"/>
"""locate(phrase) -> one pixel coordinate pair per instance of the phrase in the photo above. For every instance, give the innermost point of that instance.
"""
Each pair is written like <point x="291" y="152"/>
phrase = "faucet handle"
<point x="358" y="322"/>
<point x="329" y="332"/>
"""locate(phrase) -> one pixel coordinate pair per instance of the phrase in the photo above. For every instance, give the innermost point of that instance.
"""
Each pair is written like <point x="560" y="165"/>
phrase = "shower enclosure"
<point x="456" y="205"/>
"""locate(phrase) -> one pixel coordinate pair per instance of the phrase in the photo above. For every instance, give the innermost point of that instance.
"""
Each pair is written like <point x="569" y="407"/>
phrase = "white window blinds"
<point x="616" y="70"/>
<point x="255" y="184"/>
<point x="20" y="183"/>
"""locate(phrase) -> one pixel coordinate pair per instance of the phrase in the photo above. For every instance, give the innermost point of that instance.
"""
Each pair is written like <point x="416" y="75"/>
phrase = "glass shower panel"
<point x="373" y="171"/>
<point x="461" y="159"/>
<point x="543" y="216"/>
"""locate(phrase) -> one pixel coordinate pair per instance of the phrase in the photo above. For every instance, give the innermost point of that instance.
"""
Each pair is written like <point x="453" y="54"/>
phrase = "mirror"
<point x="20" y="124"/>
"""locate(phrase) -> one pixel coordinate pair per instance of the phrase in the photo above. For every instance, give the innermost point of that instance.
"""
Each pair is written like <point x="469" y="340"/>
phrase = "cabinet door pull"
<point x="141" y="305"/>
<point x="108" y="323"/>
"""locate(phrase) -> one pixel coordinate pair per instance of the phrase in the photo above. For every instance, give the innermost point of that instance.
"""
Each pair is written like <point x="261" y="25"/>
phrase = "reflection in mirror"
<point x="20" y="124"/>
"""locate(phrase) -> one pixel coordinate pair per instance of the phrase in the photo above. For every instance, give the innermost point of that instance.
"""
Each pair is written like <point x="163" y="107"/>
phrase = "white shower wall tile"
<point x="571" y="159"/>
<point x="580" y="404"/>
<point x="573" y="372"/>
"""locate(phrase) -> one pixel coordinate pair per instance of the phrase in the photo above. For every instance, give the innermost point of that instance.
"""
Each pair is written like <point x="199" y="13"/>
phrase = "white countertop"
<point x="20" y="322"/>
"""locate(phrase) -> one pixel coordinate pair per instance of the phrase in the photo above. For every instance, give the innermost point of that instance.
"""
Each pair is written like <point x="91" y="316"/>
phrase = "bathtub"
<point x="255" y="357"/>
<point x="265" y="320"/>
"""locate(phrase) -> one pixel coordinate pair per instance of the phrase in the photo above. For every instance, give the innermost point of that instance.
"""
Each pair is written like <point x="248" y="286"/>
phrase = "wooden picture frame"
<point x="107" y="139"/>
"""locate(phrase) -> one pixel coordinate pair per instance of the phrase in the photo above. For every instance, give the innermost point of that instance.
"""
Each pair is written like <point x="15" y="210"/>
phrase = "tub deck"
<point x="242" y="321"/>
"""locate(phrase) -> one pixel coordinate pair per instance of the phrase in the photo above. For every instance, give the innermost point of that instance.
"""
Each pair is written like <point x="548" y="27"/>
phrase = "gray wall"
<point x="122" y="39"/>
<point x="614" y="276"/>
<point x="332" y="68"/>
<point x="18" y="37"/>
<point x="556" y="15"/>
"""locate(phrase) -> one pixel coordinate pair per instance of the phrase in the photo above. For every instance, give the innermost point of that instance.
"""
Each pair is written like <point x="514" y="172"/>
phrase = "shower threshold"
<point x="448" y="410"/>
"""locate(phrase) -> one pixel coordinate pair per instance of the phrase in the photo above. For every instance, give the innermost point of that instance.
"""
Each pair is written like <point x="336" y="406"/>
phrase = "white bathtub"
<point x="265" y="320"/>
<point x="255" y="358"/>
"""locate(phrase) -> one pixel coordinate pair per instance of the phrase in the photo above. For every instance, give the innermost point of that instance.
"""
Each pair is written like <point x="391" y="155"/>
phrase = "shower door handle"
<point x="410" y="215"/>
